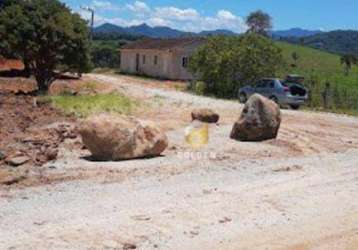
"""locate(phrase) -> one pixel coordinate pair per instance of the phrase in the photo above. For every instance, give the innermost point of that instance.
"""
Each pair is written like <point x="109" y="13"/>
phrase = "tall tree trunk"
<point x="27" y="65"/>
<point x="27" y="68"/>
<point x="44" y="78"/>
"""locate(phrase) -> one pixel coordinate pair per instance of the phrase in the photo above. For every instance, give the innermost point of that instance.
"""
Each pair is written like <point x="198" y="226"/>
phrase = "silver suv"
<point x="283" y="93"/>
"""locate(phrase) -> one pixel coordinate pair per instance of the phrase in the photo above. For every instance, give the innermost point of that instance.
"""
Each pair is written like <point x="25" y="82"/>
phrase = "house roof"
<point x="163" y="44"/>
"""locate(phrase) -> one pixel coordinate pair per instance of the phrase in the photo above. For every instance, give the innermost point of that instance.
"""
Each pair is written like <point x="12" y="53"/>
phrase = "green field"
<point x="85" y="105"/>
<point x="318" y="68"/>
<point x="321" y="63"/>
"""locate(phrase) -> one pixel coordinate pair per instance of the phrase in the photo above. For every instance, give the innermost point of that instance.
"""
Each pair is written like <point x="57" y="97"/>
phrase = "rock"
<point x="260" y="120"/>
<point x="51" y="154"/>
<point x="110" y="244"/>
<point x="127" y="246"/>
<point x="17" y="160"/>
<point x="205" y="115"/>
<point x="66" y="130"/>
<point x="111" y="137"/>
<point x="2" y="155"/>
<point x="11" y="179"/>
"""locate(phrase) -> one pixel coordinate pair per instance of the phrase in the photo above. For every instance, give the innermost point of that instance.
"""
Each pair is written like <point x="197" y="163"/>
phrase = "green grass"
<point x="319" y="68"/>
<point x="84" y="105"/>
<point x="325" y="65"/>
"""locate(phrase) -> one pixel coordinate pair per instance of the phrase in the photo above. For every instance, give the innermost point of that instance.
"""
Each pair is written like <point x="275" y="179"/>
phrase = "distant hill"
<point x="217" y="32"/>
<point x="338" y="42"/>
<point x="109" y="28"/>
<point x="154" y="32"/>
<point x="295" y="32"/>
<point x="157" y="32"/>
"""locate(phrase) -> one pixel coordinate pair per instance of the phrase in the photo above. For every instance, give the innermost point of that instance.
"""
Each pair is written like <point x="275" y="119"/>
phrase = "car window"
<point x="260" y="84"/>
<point x="268" y="83"/>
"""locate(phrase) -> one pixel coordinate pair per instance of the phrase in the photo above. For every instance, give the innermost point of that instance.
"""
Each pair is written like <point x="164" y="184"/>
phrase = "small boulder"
<point x="205" y="115"/>
<point x="2" y="155"/>
<point x="115" y="138"/>
<point x="260" y="120"/>
<point x="51" y="153"/>
<point x="17" y="160"/>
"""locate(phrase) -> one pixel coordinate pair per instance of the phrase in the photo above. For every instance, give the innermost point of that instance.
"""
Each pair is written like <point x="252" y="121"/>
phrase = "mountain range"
<point x="154" y="32"/>
<point x="295" y="32"/>
<point x="167" y="32"/>
<point x="339" y="41"/>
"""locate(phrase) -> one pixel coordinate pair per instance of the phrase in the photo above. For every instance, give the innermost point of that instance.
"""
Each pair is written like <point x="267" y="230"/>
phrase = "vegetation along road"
<point x="296" y="192"/>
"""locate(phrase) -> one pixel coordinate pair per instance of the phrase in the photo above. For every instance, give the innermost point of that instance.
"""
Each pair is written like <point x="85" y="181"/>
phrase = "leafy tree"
<point x="105" y="54"/>
<point x="47" y="36"/>
<point x="259" y="22"/>
<point x="115" y="36"/>
<point x="348" y="61"/>
<point x="227" y="63"/>
<point x="295" y="56"/>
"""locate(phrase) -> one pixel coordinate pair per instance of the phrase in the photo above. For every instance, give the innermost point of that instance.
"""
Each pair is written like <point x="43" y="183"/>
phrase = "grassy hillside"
<point x="320" y="67"/>
<point x="317" y="62"/>
<point x="337" y="41"/>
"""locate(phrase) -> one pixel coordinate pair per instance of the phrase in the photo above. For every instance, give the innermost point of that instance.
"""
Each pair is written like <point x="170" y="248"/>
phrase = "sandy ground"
<point x="297" y="192"/>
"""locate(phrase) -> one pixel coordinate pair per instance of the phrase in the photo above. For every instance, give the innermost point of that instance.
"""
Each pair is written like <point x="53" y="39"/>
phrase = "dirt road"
<point x="296" y="192"/>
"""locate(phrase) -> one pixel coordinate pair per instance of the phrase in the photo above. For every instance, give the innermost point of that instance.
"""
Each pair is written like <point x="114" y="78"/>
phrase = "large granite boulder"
<point x="260" y="120"/>
<point x="110" y="137"/>
<point x="205" y="115"/>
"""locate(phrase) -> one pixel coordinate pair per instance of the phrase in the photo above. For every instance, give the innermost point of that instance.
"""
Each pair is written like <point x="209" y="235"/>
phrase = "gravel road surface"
<point x="297" y="192"/>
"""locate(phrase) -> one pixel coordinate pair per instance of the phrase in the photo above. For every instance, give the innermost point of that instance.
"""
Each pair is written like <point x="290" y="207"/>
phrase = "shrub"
<point x="226" y="63"/>
<point x="199" y="88"/>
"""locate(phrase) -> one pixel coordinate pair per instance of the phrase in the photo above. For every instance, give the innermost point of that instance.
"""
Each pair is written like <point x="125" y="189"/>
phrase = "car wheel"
<point x="242" y="98"/>
<point x="274" y="98"/>
<point x="295" y="106"/>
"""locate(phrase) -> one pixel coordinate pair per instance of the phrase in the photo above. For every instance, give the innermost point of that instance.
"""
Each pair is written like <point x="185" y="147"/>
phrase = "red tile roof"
<point x="163" y="44"/>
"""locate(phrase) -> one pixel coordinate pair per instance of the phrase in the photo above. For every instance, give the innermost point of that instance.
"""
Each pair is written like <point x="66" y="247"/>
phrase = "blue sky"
<point x="197" y="15"/>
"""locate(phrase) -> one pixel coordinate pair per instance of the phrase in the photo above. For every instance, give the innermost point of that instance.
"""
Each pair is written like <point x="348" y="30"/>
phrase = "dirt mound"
<point x="31" y="130"/>
<point x="17" y="85"/>
<point x="8" y="64"/>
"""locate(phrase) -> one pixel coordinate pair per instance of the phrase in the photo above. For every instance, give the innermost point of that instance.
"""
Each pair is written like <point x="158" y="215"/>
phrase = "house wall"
<point x="169" y="65"/>
<point x="161" y="70"/>
<point x="177" y="69"/>
<point x="128" y="61"/>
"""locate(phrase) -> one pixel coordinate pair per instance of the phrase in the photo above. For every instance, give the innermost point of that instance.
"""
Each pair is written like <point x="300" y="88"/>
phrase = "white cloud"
<point x="157" y="21"/>
<point x="225" y="14"/>
<point x="187" y="19"/>
<point x="104" y="6"/>
<point x="174" y="13"/>
<point x="101" y="4"/>
<point x="139" y="8"/>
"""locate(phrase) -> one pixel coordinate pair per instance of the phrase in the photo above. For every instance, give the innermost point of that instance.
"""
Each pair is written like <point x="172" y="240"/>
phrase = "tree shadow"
<point x="12" y="73"/>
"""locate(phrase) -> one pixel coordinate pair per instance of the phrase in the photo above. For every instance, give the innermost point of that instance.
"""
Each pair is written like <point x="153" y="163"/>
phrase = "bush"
<point x="199" y="88"/>
<point x="105" y="54"/>
<point x="226" y="63"/>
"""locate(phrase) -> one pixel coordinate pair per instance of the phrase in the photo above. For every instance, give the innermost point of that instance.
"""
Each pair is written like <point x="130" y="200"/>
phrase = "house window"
<point x="185" y="62"/>
<point x="155" y="60"/>
<point x="143" y="59"/>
